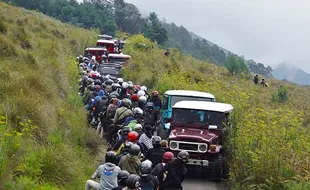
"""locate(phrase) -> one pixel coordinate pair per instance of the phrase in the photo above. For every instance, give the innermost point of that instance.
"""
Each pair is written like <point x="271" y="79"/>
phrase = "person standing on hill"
<point x="255" y="80"/>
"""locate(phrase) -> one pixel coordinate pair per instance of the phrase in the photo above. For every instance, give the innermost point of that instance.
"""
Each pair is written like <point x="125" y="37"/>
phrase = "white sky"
<point x="267" y="31"/>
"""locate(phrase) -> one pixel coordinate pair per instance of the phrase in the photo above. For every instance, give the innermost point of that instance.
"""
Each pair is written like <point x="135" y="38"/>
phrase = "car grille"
<point x="193" y="147"/>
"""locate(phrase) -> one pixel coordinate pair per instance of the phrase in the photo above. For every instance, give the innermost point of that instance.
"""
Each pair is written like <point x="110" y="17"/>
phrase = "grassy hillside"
<point x="270" y="142"/>
<point x="44" y="141"/>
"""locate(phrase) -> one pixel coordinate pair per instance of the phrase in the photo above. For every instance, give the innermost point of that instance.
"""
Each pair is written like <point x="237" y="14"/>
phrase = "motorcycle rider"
<point x="156" y="153"/>
<point x="131" y="161"/>
<point x="107" y="173"/>
<point x="146" y="138"/>
<point x="131" y="121"/>
<point x="132" y="137"/>
<point x="124" y="136"/>
<point x="147" y="181"/>
<point x="167" y="157"/>
<point x="157" y="104"/>
<point x="173" y="173"/>
<point x="92" y="94"/>
<point x="141" y="102"/>
<point x="132" y="182"/>
<point x="121" y="180"/>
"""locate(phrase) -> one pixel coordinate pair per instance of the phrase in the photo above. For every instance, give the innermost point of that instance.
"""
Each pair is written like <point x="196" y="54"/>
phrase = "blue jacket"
<point x="100" y="94"/>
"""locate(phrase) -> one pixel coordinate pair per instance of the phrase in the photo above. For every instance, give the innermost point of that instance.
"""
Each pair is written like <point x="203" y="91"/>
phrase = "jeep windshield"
<point x="198" y="117"/>
<point x="175" y="99"/>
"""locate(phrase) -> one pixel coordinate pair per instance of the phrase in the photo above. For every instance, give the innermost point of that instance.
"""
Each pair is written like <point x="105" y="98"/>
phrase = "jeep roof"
<point x="95" y="48"/>
<point x="208" y="106"/>
<point x="114" y="55"/>
<point x="188" y="93"/>
<point x="106" y="41"/>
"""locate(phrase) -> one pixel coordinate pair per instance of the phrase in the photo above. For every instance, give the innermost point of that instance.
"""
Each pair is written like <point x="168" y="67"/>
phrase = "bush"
<point x="235" y="65"/>
<point x="3" y="27"/>
<point x="281" y="95"/>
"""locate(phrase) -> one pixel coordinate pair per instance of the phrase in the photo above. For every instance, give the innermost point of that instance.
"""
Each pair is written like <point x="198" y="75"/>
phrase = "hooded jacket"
<point x="101" y="104"/>
<point x="91" y="96"/>
<point x="121" y="114"/>
<point x="108" y="176"/>
<point x="100" y="94"/>
<point x="130" y="163"/>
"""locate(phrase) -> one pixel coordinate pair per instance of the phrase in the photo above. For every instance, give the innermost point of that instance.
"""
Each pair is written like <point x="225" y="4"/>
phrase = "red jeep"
<point x="108" y="44"/>
<point x="200" y="128"/>
<point x="95" y="51"/>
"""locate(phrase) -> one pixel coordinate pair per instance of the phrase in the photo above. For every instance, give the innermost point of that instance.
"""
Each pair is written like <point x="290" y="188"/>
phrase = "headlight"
<point x="173" y="145"/>
<point x="202" y="148"/>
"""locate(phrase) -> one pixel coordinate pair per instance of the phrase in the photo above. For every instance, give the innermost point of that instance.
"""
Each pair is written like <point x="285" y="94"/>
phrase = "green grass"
<point x="44" y="141"/>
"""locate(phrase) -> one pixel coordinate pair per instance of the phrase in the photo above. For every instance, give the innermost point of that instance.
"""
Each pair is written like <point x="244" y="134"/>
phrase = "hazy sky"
<point x="267" y="31"/>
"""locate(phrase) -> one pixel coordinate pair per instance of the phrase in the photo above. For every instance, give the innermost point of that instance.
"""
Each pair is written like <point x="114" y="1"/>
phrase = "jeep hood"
<point x="204" y="135"/>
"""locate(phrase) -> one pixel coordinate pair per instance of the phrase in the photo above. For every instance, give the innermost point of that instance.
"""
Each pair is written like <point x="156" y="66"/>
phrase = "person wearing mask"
<point x="131" y="162"/>
<point x="107" y="173"/>
<point x="173" y="173"/>
<point x="147" y="181"/>
<point x="167" y="157"/>
<point x="156" y="153"/>
<point x="133" y="120"/>
<point x="146" y="138"/>
<point x="124" y="134"/>
<point x="121" y="180"/>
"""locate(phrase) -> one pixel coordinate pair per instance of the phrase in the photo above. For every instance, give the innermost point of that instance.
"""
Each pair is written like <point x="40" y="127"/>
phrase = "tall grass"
<point x="44" y="141"/>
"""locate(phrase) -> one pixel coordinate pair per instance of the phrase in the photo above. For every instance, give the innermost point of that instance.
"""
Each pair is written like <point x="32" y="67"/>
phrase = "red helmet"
<point x="167" y="157"/>
<point x="154" y="93"/>
<point x="135" y="97"/>
<point x="94" y="76"/>
<point x="98" y="88"/>
<point x="132" y="136"/>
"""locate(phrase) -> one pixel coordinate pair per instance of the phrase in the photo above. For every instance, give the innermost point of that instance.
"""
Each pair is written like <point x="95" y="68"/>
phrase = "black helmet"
<point x="183" y="156"/>
<point x="134" y="150"/>
<point x="97" y="82"/>
<point x="122" y="177"/>
<point x="110" y="157"/>
<point x="127" y="146"/>
<point x="133" y="181"/>
<point x="156" y="140"/>
<point x="125" y="132"/>
<point x="108" y="82"/>
<point x="146" y="167"/>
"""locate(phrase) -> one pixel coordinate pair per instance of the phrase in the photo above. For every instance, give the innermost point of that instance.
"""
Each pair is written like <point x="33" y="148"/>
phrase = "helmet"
<point x="93" y="57"/>
<point x="108" y="82"/>
<point x="115" y="86"/>
<point x="127" y="146"/>
<point x="97" y="88"/>
<point x="167" y="157"/>
<point x="132" y="136"/>
<point x="144" y="88"/>
<point x="120" y="80"/>
<point x="134" y="150"/>
<point x="126" y="102"/>
<point x="154" y="93"/>
<point x="135" y="97"/>
<point x="133" y="181"/>
<point x="183" y="156"/>
<point x="122" y="177"/>
<point x="142" y="99"/>
<point x="130" y="83"/>
<point x="156" y="140"/>
<point x="138" y="111"/>
<point x="141" y="93"/>
<point x="146" y="167"/>
<point x="97" y="82"/>
<point x="138" y="127"/>
<point x="125" y="85"/>
<point x="110" y="157"/>
<point x="125" y="131"/>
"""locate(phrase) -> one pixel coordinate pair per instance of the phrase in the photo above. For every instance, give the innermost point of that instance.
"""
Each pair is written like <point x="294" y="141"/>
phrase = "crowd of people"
<point x="127" y="117"/>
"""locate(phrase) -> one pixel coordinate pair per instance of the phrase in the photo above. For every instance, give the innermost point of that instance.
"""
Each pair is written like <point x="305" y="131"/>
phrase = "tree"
<point x="154" y="30"/>
<point x="235" y="65"/>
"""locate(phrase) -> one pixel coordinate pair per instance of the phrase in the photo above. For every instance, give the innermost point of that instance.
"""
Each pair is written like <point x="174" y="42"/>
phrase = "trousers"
<point x="90" y="184"/>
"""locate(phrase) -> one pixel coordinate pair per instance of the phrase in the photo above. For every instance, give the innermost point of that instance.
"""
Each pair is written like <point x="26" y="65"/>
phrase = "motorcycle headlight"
<point x="202" y="148"/>
<point x="173" y="145"/>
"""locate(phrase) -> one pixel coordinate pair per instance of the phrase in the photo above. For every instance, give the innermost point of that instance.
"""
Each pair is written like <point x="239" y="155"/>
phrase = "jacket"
<point x="121" y="114"/>
<point x="130" y="163"/>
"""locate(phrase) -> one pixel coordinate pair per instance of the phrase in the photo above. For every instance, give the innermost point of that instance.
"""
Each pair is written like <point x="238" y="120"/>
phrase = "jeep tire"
<point x="217" y="167"/>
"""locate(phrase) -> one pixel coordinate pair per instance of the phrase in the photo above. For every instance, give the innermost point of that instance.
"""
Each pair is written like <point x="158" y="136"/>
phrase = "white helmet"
<point x="137" y="111"/>
<point x="130" y="82"/>
<point x="142" y="99"/>
<point x="138" y="127"/>
<point x="144" y="88"/>
<point x="93" y="57"/>
<point x="125" y="85"/>
<point x="141" y="93"/>
<point x="130" y="85"/>
<point x="120" y="80"/>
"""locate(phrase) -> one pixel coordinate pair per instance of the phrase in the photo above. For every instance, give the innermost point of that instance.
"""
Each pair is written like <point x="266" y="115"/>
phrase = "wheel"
<point x="218" y="167"/>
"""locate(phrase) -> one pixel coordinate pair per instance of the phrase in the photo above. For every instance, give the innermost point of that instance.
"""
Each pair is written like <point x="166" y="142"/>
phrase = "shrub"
<point x="280" y="95"/>
<point x="3" y="27"/>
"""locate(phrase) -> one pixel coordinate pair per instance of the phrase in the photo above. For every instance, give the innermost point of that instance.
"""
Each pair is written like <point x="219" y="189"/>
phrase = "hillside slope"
<point x="267" y="135"/>
<point x="44" y="143"/>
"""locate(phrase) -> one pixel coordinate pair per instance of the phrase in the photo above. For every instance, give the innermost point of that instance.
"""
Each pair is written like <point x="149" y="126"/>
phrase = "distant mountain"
<point x="291" y="73"/>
